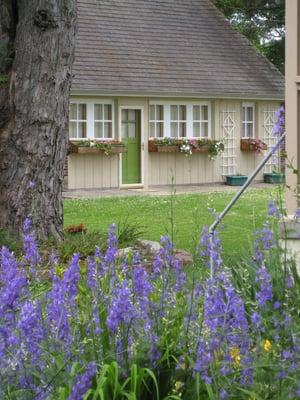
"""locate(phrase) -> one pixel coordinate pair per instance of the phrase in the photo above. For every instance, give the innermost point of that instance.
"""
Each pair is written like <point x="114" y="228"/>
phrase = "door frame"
<point x="132" y="185"/>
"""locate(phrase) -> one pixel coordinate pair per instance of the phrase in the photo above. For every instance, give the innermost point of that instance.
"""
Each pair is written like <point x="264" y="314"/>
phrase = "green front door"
<point x="131" y="137"/>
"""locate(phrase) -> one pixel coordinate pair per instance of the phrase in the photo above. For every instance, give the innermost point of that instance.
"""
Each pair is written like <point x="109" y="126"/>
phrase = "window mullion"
<point x="90" y="121"/>
<point x="189" y="121"/>
<point x="167" y="120"/>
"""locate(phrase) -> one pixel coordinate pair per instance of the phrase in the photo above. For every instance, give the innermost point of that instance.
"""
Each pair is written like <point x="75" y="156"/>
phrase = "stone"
<point x="123" y="253"/>
<point x="184" y="257"/>
<point x="149" y="245"/>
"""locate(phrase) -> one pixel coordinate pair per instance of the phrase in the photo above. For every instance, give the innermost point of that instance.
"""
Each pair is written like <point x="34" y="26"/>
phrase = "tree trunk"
<point x="37" y="40"/>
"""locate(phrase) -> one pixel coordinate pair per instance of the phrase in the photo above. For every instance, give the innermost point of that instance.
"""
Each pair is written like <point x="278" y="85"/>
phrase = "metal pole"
<point x="219" y="218"/>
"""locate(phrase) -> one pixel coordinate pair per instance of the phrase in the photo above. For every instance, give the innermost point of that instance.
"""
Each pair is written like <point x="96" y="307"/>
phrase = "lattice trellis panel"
<point x="228" y="132"/>
<point x="269" y="139"/>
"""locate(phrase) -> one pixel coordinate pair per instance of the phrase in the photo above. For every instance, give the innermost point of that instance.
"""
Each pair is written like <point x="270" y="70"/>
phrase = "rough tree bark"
<point x="37" y="40"/>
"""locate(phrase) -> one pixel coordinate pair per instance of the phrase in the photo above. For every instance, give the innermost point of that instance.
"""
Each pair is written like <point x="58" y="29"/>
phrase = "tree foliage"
<point x="262" y="22"/>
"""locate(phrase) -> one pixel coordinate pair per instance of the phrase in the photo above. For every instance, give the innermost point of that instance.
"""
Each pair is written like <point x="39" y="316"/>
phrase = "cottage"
<point x="149" y="72"/>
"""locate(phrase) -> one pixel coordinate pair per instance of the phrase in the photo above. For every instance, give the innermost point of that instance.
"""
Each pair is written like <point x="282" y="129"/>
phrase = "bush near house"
<point x="107" y="328"/>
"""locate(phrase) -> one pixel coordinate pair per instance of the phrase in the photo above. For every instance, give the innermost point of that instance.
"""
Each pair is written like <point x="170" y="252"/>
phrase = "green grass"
<point x="190" y="214"/>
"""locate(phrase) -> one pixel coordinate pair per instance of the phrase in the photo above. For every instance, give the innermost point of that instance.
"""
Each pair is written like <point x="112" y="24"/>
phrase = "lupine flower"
<point x="265" y="291"/>
<point x="273" y="209"/>
<point x="112" y="244"/>
<point x="279" y="126"/>
<point x="83" y="382"/>
<point x="71" y="278"/>
<point x="203" y="361"/>
<point x="91" y="276"/>
<point x="180" y="276"/>
<point x="121" y="309"/>
<point x="31" y="253"/>
<point x="211" y="249"/>
<point x="31" y="327"/>
<point x="61" y="299"/>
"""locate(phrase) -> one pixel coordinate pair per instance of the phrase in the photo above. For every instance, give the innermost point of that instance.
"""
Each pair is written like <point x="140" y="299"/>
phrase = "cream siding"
<point x="100" y="171"/>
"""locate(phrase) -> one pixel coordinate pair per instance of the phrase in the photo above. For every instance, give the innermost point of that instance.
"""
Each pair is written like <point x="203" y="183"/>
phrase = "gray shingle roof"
<point x="168" y="47"/>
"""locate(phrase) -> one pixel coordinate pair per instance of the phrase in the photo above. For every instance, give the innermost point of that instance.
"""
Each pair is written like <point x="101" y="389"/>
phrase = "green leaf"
<point x="210" y="392"/>
<point x="250" y="393"/>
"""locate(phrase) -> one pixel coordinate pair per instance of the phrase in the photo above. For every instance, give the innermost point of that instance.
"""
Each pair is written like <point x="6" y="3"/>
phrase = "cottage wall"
<point x="100" y="171"/>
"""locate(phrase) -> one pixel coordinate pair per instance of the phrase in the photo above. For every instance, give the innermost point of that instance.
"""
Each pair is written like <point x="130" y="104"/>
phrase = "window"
<point x="248" y="121"/>
<point x="178" y="121"/>
<point x="200" y="121"/>
<point x="156" y="121"/>
<point x="102" y="121"/>
<point x="91" y="120"/>
<point x="190" y="120"/>
<point x="78" y="121"/>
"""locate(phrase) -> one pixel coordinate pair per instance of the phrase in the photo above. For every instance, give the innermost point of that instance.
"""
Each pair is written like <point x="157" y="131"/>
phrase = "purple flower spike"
<point x="279" y="126"/>
<point x="83" y="382"/>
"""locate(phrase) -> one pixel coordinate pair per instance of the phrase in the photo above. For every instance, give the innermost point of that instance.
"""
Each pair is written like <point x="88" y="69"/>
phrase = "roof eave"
<point x="139" y="93"/>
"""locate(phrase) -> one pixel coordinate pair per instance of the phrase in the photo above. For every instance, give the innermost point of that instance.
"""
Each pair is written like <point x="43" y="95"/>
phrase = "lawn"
<point x="190" y="213"/>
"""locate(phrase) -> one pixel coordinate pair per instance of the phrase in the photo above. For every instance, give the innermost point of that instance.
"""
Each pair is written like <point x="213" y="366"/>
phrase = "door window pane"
<point x="124" y="130"/>
<point x="131" y="115"/>
<point x="131" y="130"/>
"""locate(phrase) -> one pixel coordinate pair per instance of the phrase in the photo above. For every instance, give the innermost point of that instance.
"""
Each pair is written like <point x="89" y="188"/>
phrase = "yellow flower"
<point x="235" y="356"/>
<point x="267" y="345"/>
<point x="178" y="386"/>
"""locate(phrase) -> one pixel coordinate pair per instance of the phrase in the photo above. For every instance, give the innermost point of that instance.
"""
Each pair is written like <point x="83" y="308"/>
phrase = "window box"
<point x="201" y="149"/>
<point x="236" y="180"/>
<point x="88" y="147"/>
<point x="167" y="149"/>
<point x="163" y="145"/>
<point x="255" y="145"/>
<point x="274" y="177"/>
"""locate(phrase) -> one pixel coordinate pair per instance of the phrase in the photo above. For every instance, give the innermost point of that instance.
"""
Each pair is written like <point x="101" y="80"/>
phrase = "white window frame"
<point x="245" y="122"/>
<point x="77" y="121"/>
<point x="90" y="133"/>
<point x="179" y="121"/>
<point x="189" y="116"/>
<point x="103" y="121"/>
<point x="200" y="121"/>
<point x="155" y="121"/>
